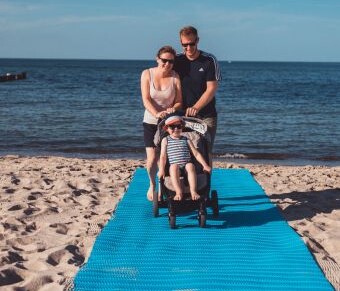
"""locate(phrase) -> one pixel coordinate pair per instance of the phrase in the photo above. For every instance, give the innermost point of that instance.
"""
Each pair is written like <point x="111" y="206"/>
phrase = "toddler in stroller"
<point x="177" y="148"/>
<point x="184" y="174"/>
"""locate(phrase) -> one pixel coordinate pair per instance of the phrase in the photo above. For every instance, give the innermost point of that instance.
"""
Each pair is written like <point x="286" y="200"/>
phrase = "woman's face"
<point x="166" y="61"/>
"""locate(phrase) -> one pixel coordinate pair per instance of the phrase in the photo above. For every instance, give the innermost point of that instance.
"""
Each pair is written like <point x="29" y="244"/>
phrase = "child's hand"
<point x="207" y="168"/>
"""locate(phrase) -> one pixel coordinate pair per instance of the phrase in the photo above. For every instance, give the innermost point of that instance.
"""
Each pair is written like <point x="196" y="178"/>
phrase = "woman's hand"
<point x="161" y="114"/>
<point x="170" y="110"/>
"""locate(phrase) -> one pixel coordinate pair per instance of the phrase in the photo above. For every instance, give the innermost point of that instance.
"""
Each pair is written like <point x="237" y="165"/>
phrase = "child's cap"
<point x="173" y="119"/>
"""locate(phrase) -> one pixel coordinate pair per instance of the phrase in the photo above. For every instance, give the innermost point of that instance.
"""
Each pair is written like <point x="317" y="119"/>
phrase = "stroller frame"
<point x="164" y="197"/>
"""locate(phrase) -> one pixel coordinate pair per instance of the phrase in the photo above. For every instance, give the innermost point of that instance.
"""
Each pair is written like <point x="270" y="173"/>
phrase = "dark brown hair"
<point x="166" y="49"/>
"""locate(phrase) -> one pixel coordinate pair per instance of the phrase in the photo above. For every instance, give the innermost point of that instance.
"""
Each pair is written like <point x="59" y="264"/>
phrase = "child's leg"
<point x="192" y="179"/>
<point x="174" y="175"/>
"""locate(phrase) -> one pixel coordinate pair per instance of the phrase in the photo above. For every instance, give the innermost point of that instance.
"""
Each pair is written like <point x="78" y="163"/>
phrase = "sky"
<point x="233" y="30"/>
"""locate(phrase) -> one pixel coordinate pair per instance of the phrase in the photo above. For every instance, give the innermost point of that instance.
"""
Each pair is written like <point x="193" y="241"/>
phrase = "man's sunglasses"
<point x="164" y="61"/>
<point x="173" y="126"/>
<point x="188" y="44"/>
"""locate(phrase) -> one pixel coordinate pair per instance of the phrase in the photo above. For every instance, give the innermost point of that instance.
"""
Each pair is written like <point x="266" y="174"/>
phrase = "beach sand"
<point x="52" y="209"/>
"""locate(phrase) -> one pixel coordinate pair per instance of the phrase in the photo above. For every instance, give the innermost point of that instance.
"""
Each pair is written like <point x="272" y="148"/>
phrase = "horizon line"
<point x="102" y="59"/>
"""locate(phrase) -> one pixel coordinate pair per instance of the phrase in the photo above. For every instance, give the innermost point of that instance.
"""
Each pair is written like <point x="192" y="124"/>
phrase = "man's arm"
<point x="178" y="99"/>
<point x="207" y="96"/>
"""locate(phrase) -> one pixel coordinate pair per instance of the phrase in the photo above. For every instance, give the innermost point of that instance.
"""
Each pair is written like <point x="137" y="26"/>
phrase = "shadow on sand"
<point x="295" y="206"/>
<point x="300" y="205"/>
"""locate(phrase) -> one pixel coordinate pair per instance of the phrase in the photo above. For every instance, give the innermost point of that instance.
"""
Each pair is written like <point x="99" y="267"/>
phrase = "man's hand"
<point x="161" y="114"/>
<point x="191" y="111"/>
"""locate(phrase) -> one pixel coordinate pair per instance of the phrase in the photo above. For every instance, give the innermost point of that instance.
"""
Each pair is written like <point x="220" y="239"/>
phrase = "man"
<point x="199" y="73"/>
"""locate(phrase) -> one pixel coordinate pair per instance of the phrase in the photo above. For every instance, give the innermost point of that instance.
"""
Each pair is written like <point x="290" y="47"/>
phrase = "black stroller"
<point x="196" y="130"/>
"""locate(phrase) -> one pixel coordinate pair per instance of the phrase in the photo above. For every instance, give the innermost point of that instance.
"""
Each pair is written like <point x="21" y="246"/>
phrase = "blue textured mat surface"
<point x="248" y="247"/>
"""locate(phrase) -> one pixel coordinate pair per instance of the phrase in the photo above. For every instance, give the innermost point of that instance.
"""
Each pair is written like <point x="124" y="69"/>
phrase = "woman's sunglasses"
<point x="164" y="61"/>
<point x="173" y="126"/>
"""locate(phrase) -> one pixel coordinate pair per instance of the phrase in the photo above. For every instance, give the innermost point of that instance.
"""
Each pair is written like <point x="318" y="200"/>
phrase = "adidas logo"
<point x="201" y="70"/>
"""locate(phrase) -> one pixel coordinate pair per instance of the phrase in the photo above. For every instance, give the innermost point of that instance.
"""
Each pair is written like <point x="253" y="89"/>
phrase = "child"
<point x="177" y="148"/>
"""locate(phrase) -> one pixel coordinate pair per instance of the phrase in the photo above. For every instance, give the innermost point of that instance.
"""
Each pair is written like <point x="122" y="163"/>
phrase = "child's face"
<point x="175" y="129"/>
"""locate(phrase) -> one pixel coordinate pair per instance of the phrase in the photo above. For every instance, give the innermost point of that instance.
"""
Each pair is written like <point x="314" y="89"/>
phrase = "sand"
<point x="52" y="209"/>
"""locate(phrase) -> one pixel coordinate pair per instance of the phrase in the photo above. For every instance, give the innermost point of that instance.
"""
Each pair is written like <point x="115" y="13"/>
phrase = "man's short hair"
<point x="188" y="30"/>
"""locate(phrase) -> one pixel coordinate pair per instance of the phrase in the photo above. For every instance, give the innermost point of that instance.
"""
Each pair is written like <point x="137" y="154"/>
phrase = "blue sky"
<point x="246" y="30"/>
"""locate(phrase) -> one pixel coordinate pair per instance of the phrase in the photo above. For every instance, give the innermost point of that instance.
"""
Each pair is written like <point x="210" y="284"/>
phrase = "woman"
<point x="162" y="95"/>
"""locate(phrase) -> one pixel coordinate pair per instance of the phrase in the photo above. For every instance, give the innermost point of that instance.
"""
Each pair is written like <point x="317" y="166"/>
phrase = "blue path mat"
<point x="248" y="247"/>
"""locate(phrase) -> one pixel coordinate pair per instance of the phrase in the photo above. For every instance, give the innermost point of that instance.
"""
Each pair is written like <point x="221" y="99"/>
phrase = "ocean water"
<point x="288" y="112"/>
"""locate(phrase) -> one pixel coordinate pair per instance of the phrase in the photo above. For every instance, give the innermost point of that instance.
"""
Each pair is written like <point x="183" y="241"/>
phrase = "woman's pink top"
<point x="161" y="99"/>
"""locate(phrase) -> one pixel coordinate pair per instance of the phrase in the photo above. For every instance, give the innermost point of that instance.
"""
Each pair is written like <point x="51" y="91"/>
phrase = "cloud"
<point x="261" y="19"/>
<point x="6" y="25"/>
<point x="16" y="8"/>
<point x="90" y="19"/>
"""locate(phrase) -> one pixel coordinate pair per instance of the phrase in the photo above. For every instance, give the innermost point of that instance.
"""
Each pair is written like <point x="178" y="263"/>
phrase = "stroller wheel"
<point x="155" y="205"/>
<point x="172" y="221"/>
<point x="214" y="202"/>
<point x="202" y="220"/>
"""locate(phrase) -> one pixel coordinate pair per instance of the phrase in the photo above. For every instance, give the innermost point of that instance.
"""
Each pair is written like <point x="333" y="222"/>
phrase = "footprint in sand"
<point x="15" y="180"/>
<point x="13" y="224"/>
<point x="47" y="181"/>
<point x="28" y="244"/>
<point x="55" y="257"/>
<point x="79" y="192"/>
<point x="78" y="257"/>
<point x="9" y="190"/>
<point x="37" y="283"/>
<point x="16" y="207"/>
<point x="9" y="276"/>
<point x="12" y="257"/>
<point x="34" y="195"/>
<point x="71" y="253"/>
<point x="30" y="210"/>
<point x="93" y="181"/>
<point x="61" y="228"/>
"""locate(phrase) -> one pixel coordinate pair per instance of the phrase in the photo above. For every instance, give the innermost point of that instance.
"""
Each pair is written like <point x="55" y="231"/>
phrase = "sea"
<point x="281" y="112"/>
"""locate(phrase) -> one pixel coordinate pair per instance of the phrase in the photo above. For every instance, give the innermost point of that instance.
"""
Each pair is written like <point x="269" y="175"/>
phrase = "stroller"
<point x="196" y="130"/>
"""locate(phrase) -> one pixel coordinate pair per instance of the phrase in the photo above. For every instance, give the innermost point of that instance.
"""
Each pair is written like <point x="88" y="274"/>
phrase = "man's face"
<point x="189" y="45"/>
